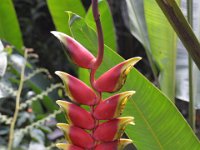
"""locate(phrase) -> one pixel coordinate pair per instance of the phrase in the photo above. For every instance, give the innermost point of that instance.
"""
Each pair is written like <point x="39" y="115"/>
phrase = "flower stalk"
<point x="17" y="105"/>
<point x="99" y="60"/>
<point x="192" y="113"/>
<point x="101" y="127"/>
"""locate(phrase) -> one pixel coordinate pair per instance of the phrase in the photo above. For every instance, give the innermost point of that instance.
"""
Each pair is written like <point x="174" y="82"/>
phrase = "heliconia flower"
<point x="114" y="79"/>
<point x="101" y="127"/>
<point x="64" y="146"/>
<point x="112" y="107"/>
<point x="112" y="129"/>
<point x="77" y="136"/>
<point x="115" y="145"/>
<point x="77" y="90"/>
<point x="77" y="115"/>
<point x="78" y="53"/>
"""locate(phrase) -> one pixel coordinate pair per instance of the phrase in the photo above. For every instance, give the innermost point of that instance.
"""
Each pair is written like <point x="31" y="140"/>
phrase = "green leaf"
<point x="57" y="9"/>
<point x="149" y="25"/>
<point x="106" y="21"/>
<point x="9" y="26"/>
<point x="90" y="44"/>
<point x="163" y="42"/>
<point x="84" y="75"/>
<point x="159" y="125"/>
<point x="181" y="27"/>
<point x="45" y="129"/>
<point x="38" y="84"/>
<point x="135" y="21"/>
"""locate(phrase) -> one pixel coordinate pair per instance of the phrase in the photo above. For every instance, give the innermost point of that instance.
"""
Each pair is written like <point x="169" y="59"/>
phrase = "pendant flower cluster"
<point x="102" y="127"/>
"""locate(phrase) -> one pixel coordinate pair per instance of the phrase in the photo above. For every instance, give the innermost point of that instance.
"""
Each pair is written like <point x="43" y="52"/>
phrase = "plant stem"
<point x="191" y="99"/>
<point x="99" y="57"/>
<point x="99" y="33"/>
<point x="192" y="113"/>
<point x="100" y="42"/>
<point x="181" y="27"/>
<point x="12" y="126"/>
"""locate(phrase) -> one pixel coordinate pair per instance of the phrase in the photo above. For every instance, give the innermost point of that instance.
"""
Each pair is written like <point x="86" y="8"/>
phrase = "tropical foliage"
<point x="158" y="123"/>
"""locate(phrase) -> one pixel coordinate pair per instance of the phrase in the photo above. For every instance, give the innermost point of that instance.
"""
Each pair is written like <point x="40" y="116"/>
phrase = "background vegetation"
<point x="131" y="29"/>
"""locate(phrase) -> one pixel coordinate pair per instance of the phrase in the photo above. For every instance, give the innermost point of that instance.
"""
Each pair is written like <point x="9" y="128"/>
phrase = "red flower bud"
<point x="115" y="145"/>
<point x="112" y="130"/>
<point x="77" y="136"/>
<point x="114" y="79"/>
<point x="86" y="130"/>
<point x="112" y="107"/>
<point x="77" y="115"/>
<point x="79" y="54"/>
<point x="77" y="90"/>
<point x="64" y="146"/>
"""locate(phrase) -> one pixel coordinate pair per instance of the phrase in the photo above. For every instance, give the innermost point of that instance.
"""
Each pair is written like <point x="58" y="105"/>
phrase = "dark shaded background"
<point x="36" y="24"/>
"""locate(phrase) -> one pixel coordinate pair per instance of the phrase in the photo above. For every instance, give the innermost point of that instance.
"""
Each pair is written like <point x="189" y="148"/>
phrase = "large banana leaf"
<point x="134" y="20"/>
<point x="9" y="26"/>
<point x="57" y="9"/>
<point x="106" y="21"/>
<point x="159" y="35"/>
<point x="159" y="125"/>
<point x="163" y="46"/>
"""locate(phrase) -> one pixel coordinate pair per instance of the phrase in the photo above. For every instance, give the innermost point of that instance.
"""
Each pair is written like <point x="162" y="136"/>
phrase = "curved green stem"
<point x="12" y="126"/>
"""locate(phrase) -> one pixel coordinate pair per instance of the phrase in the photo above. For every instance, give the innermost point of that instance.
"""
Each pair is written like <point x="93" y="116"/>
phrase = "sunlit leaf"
<point x="151" y="27"/>
<point x="180" y="25"/>
<point x="57" y="9"/>
<point x="159" y="125"/>
<point x="9" y="26"/>
<point x="134" y="19"/>
<point x="106" y="21"/>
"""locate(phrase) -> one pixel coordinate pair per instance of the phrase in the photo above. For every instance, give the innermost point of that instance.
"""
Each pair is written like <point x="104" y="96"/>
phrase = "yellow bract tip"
<point x="128" y="65"/>
<point x="61" y="36"/>
<point x="123" y="143"/>
<point x="126" y="120"/>
<point x="60" y="73"/>
<point x="63" y="126"/>
<point x="63" y="104"/>
<point x="62" y="146"/>
<point x="127" y="94"/>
